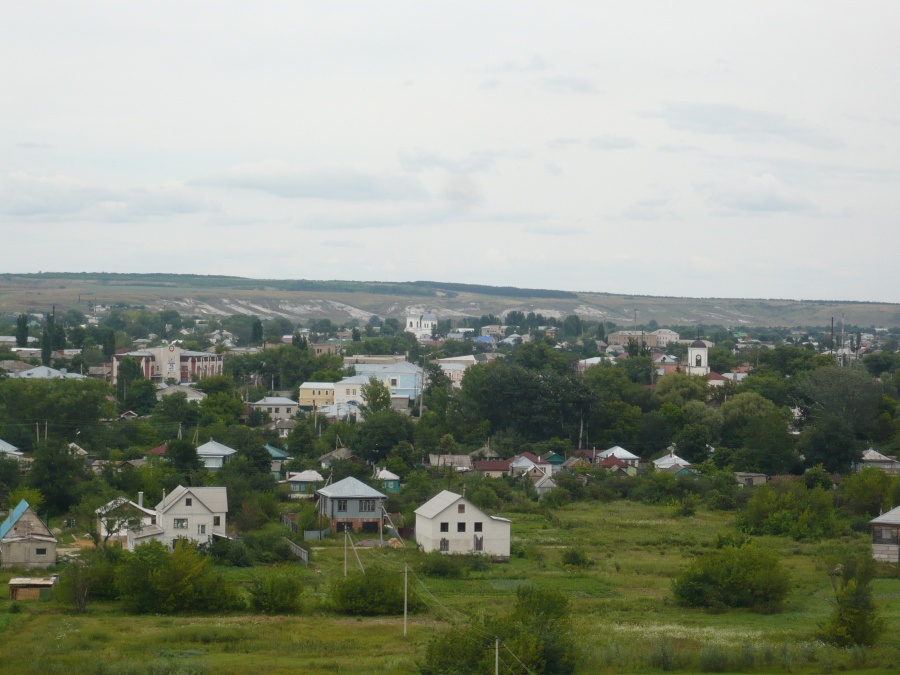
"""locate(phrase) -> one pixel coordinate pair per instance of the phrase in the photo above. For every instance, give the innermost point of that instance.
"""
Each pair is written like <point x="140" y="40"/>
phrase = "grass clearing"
<point x="624" y="613"/>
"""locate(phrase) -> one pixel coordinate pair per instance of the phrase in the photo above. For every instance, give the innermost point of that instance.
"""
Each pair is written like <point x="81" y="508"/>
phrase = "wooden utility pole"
<point x="405" y="595"/>
<point x="496" y="656"/>
<point x="345" y="549"/>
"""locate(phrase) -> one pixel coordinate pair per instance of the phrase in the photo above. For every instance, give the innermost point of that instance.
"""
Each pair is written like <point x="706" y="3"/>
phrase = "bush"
<point x="371" y="593"/>
<point x="276" y="594"/>
<point x="786" y="506"/>
<point x="734" y="576"/>
<point x="576" y="557"/>
<point x="437" y="564"/>
<point x="153" y="580"/>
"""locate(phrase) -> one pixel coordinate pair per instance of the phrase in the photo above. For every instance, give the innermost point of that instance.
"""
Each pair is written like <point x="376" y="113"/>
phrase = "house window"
<point x="367" y="505"/>
<point x="342" y="504"/>
<point x="445" y="527"/>
<point x="40" y="551"/>
<point x="461" y="508"/>
<point x="478" y="527"/>
<point x="348" y="392"/>
<point x="217" y="520"/>
<point x="180" y="523"/>
<point x="393" y="381"/>
<point x="445" y="545"/>
<point x="201" y="529"/>
<point x="277" y="410"/>
<point x="188" y="501"/>
<point x="460" y="527"/>
<point x="287" y="411"/>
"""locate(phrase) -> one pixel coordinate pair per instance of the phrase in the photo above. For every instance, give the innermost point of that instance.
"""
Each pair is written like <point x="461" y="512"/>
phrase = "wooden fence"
<point x="298" y="551"/>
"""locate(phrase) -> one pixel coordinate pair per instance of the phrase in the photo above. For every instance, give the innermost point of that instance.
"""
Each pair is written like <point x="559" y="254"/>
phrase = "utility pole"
<point x="496" y="656"/>
<point x="345" y="549"/>
<point x="405" y="594"/>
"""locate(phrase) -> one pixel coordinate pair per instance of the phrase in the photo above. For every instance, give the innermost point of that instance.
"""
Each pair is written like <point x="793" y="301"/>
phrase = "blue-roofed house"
<point x="25" y="541"/>
<point x="279" y="460"/>
<point x="388" y="480"/>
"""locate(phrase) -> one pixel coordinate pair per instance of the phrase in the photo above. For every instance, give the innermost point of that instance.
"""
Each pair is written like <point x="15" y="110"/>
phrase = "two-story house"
<point x="194" y="513"/>
<point x="351" y="504"/>
<point x="316" y="394"/>
<point x="278" y="407"/>
<point x="450" y="523"/>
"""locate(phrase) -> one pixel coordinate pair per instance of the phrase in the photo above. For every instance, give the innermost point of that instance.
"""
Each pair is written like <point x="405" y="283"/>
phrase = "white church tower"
<point x="698" y="358"/>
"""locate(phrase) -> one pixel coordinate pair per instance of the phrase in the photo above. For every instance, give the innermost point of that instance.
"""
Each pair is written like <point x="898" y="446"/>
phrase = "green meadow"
<point x="623" y="609"/>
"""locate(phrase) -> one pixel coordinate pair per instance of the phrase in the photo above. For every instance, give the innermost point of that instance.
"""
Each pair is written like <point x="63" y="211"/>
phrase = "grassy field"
<point x="624" y="613"/>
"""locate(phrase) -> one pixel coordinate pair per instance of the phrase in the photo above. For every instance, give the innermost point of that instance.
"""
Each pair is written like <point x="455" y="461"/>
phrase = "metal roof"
<point x="213" y="498"/>
<point x="12" y="518"/>
<point x="438" y="503"/>
<point x="892" y="517"/>
<point x="215" y="449"/>
<point x="349" y="487"/>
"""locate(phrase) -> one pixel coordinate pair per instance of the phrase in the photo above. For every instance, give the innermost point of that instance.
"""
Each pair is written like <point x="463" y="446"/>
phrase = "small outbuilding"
<point x="32" y="588"/>
<point x="450" y="523"/>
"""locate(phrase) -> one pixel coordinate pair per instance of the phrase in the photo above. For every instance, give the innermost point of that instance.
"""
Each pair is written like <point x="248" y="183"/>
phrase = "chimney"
<point x="141" y="499"/>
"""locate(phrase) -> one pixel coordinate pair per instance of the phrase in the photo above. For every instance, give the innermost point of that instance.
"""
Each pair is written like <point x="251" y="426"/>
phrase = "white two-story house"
<point x="450" y="523"/>
<point x="194" y="513"/>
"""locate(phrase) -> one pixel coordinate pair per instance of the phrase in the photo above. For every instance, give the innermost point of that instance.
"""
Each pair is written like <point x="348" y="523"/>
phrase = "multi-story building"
<point x="171" y="362"/>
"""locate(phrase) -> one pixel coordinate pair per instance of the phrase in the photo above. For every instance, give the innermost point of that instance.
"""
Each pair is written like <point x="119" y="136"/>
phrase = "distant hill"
<point x="300" y="300"/>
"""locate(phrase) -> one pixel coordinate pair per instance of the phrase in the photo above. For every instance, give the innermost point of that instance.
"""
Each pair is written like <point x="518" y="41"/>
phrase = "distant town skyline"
<point x="690" y="149"/>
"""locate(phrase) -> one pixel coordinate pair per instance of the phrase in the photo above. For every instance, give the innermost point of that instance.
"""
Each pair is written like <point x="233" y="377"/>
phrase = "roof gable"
<point x="21" y="509"/>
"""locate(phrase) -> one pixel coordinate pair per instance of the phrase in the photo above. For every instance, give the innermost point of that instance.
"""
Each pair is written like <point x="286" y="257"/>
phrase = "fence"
<point x="286" y="520"/>
<point x="298" y="551"/>
<point x="315" y="535"/>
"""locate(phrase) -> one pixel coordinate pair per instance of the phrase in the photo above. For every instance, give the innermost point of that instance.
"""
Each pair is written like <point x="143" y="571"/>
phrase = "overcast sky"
<point x="737" y="149"/>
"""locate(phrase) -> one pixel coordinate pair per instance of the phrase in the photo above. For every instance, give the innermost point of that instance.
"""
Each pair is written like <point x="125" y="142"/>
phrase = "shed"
<point x="32" y="588"/>
<point x="25" y="541"/>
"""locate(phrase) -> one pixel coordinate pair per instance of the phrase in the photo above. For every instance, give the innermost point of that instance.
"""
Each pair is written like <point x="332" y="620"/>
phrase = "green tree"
<point x="855" y="618"/>
<point x="376" y="397"/>
<point x="57" y="474"/>
<point x="183" y="456"/>
<point x="22" y="330"/>
<point x="379" y="433"/>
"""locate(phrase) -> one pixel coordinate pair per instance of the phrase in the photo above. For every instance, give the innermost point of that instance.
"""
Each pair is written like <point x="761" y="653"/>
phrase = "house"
<point x="25" y="541"/>
<point x="667" y="461"/>
<point x="279" y="460"/>
<point x="351" y="504"/>
<point x="402" y="378"/>
<point x="389" y="481"/>
<point x="303" y="484"/>
<point x="327" y="347"/>
<point x="214" y="455"/>
<point x="576" y="464"/>
<point x="283" y="427"/>
<point x="163" y="390"/>
<point x="9" y="450"/>
<point x="450" y="523"/>
<point x="544" y="484"/>
<point x="45" y="373"/>
<point x="349" y="390"/>
<point x="278" y="407"/>
<point x="116" y="517"/>
<point x="458" y="462"/>
<point x="622" y="454"/>
<point x="492" y="468"/>
<point x="748" y="479"/>
<point x="316" y="394"/>
<point x="616" y="466"/>
<point x="194" y="513"/>
<point x="886" y="536"/>
<point x="336" y="454"/>
<point x="870" y="457"/>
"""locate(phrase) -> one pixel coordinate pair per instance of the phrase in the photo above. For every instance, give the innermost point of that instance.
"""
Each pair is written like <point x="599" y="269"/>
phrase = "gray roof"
<point x="213" y="498"/>
<point x="349" y="487"/>
<point x="215" y="449"/>
<point x="892" y="517"/>
<point x="275" y="400"/>
<point x="437" y="504"/>
<point x="8" y="448"/>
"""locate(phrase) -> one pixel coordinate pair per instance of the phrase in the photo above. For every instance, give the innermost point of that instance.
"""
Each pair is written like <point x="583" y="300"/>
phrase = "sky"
<point x="739" y="149"/>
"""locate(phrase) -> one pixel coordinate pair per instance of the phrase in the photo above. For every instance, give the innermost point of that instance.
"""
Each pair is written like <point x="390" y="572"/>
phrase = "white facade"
<point x="698" y="358"/>
<point x="421" y="326"/>
<point x="194" y="513"/>
<point x="450" y="523"/>
<point x="214" y="455"/>
<point x="278" y="407"/>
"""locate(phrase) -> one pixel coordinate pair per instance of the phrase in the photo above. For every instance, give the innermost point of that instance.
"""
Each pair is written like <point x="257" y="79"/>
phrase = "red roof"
<point x="715" y="376"/>
<point x="491" y="465"/>
<point x="530" y="457"/>
<point x="159" y="451"/>
<point x="612" y="461"/>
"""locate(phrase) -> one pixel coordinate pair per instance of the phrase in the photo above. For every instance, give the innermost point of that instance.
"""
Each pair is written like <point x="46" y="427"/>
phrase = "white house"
<point x="668" y="461"/>
<point x="450" y="523"/>
<point x="278" y="407"/>
<point x="9" y="450"/>
<point x="115" y="518"/>
<point x="193" y="513"/>
<point x="214" y="454"/>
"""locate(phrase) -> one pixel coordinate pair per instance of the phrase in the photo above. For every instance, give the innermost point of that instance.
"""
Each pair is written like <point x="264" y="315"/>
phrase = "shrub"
<point x="276" y="594"/>
<point x="734" y="576"/>
<point x="371" y="593"/>
<point x="153" y="580"/>
<point x="576" y="557"/>
<point x="788" y="507"/>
